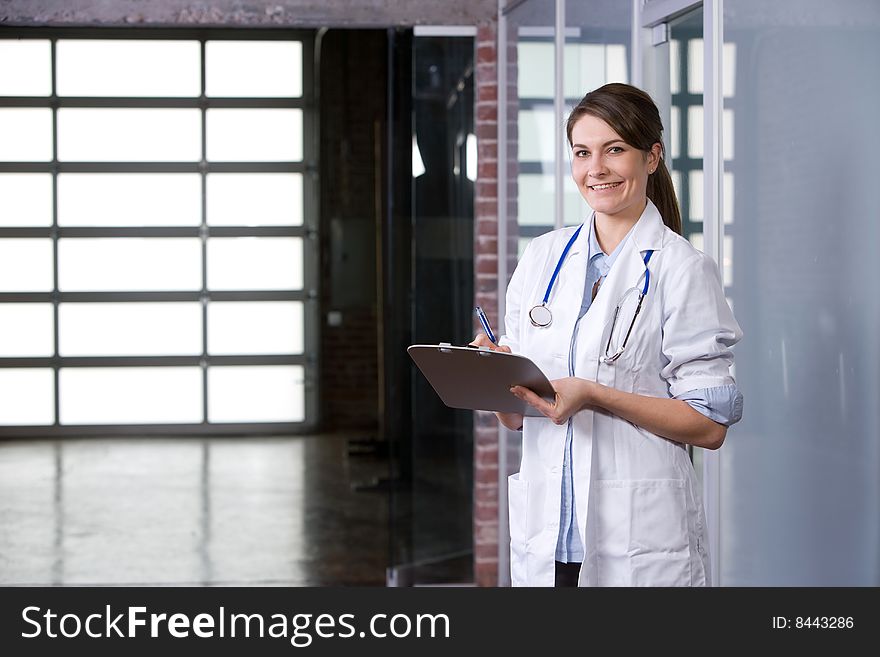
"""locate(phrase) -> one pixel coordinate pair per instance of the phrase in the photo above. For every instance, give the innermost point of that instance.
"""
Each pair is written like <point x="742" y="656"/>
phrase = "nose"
<point x="596" y="167"/>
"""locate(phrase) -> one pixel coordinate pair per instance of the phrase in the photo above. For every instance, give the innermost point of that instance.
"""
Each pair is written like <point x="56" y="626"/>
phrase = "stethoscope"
<point x="541" y="317"/>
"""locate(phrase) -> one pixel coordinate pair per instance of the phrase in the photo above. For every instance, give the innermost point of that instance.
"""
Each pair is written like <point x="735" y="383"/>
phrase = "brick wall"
<point x="486" y="295"/>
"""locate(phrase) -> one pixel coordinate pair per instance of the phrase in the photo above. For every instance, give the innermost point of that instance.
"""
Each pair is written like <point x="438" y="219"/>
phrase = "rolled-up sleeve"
<point x="699" y="329"/>
<point x="723" y="404"/>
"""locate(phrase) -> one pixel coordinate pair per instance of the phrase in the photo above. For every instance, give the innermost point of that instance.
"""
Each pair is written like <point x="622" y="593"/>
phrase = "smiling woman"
<point x="638" y="352"/>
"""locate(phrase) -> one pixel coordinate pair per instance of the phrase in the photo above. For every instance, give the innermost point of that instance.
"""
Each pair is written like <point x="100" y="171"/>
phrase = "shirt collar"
<point x="596" y="250"/>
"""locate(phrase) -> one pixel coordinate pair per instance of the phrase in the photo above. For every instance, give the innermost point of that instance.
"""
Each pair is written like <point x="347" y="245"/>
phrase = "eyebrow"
<point x="607" y="143"/>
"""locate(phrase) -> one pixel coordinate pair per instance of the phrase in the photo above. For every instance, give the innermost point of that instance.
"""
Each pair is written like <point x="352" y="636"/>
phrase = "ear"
<point x="654" y="156"/>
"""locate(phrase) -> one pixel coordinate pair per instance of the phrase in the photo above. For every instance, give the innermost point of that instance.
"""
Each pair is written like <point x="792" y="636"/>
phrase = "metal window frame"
<point x="646" y="15"/>
<point x="308" y="232"/>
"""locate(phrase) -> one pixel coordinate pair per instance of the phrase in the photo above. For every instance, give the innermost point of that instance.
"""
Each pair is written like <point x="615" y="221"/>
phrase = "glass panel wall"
<point x="799" y="476"/>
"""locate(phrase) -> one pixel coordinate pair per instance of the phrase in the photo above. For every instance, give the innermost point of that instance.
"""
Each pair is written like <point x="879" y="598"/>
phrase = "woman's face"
<point x="611" y="175"/>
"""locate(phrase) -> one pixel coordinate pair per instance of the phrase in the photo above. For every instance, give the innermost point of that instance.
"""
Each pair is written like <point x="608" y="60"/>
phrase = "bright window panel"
<point x="256" y="394"/>
<point x="114" y="264"/>
<point x="674" y="66"/>
<point x="538" y="134"/>
<point x="255" y="199"/>
<point x="26" y="329"/>
<point x="674" y="131"/>
<point x="535" y="66"/>
<point x="254" y="135"/>
<point x="129" y="135"/>
<point x="25" y="199"/>
<point x="255" y="327"/>
<point x="130" y="395"/>
<point x="695" y="66"/>
<point x="131" y="67"/>
<point x="616" y="66"/>
<point x="130" y="329"/>
<point x="26" y="265"/>
<point x="255" y="263"/>
<point x="253" y="68"/>
<point x="695" y="182"/>
<point x="584" y="69"/>
<point x="25" y="67"/>
<point x="25" y="134"/>
<point x="537" y="194"/>
<point x="129" y="199"/>
<point x="27" y="396"/>
<point x="695" y="131"/>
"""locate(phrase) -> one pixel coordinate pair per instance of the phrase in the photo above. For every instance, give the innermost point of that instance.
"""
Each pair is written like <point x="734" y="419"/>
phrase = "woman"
<point x="634" y="331"/>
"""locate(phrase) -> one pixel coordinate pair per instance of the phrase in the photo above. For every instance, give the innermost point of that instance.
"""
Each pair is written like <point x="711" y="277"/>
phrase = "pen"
<point x="485" y="322"/>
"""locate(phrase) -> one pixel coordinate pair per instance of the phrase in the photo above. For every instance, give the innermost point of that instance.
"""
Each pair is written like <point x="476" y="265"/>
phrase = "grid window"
<point x="157" y="232"/>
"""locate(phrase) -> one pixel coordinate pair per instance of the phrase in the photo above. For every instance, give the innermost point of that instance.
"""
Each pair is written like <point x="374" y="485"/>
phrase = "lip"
<point x="609" y="189"/>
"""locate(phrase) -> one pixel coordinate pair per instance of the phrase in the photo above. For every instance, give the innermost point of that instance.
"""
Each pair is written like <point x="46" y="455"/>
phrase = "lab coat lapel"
<point x="628" y="271"/>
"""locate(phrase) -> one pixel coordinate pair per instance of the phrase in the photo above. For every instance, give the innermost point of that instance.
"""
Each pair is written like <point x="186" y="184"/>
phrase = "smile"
<point x="599" y="188"/>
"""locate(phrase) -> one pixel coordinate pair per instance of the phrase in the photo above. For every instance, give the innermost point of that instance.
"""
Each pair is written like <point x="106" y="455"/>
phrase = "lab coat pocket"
<point x="642" y="532"/>
<point x="518" y="497"/>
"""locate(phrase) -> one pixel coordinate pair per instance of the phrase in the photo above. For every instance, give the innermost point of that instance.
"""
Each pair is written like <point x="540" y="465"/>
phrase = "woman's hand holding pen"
<point x="512" y="421"/>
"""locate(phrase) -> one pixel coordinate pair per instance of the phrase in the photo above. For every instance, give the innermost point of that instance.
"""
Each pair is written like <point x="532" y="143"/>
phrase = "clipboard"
<point x="480" y="379"/>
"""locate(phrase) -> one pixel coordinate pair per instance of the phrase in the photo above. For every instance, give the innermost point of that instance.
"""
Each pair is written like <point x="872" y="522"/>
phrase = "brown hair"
<point x="633" y="115"/>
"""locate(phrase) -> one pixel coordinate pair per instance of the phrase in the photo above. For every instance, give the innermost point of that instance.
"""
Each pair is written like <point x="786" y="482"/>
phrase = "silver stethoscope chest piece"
<point x="540" y="316"/>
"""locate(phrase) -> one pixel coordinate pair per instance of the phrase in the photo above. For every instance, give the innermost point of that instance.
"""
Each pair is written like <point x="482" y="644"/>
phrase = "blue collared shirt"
<point x="723" y="404"/>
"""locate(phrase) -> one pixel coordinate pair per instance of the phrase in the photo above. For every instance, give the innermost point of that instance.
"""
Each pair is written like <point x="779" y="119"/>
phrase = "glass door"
<point x="432" y="461"/>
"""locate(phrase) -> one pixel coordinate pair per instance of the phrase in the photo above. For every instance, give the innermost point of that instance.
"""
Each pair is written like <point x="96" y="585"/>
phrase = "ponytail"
<point x="662" y="194"/>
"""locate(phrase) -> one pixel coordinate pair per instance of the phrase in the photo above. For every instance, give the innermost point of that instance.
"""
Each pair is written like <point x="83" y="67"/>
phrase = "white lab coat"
<point x="639" y="507"/>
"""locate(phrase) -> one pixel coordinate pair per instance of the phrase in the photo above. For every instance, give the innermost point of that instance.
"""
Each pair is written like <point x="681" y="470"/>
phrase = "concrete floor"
<point x="248" y="511"/>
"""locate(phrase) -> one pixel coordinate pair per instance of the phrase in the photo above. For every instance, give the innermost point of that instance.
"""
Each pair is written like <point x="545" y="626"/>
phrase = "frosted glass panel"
<point x="253" y="135"/>
<point x="130" y="264"/>
<point x="800" y="489"/>
<point x="26" y="265"/>
<point x="25" y="134"/>
<point x="538" y="134"/>
<point x="27" y="396"/>
<point x="25" y="67"/>
<point x="128" y="135"/>
<point x="255" y="199"/>
<point x="25" y="199"/>
<point x="128" y="68"/>
<point x="255" y="263"/>
<point x="248" y="327"/>
<point x="26" y="329"/>
<point x="130" y="329"/>
<point x="256" y="394"/>
<point x="130" y="395"/>
<point x="129" y="199"/>
<point x="253" y="68"/>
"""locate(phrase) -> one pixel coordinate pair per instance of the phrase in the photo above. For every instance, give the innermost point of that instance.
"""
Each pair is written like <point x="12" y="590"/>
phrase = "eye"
<point x="581" y="153"/>
<point x="615" y="149"/>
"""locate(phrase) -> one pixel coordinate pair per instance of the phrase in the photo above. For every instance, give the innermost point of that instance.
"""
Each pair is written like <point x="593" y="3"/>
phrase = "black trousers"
<point x="567" y="573"/>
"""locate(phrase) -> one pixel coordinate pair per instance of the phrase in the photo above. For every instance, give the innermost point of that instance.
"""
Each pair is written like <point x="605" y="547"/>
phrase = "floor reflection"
<point x="256" y="511"/>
